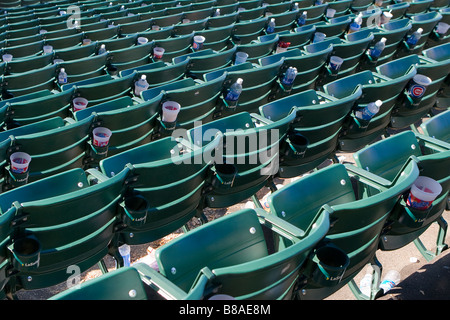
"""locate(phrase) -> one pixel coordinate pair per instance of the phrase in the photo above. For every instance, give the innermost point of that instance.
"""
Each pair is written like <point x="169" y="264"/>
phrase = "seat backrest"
<point x="105" y="90"/>
<point x="331" y="186"/>
<point x="79" y="236"/>
<point x="224" y="242"/>
<point x="386" y="157"/>
<point x="197" y="102"/>
<point x="438" y="126"/>
<point x="50" y="155"/>
<point x="121" y="284"/>
<point x="39" y="108"/>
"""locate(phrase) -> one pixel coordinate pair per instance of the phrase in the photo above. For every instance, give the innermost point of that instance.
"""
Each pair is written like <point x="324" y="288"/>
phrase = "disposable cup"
<point x="198" y="42"/>
<point x="331" y="12"/>
<point x="48" y="49"/>
<point x="418" y="86"/>
<point x="124" y="251"/>
<point x="335" y="63"/>
<point x="86" y="42"/>
<point x="186" y="20"/>
<point x="319" y="36"/>
<point x="100" y="136"/>
<point x="155" y="27"/>
<point x="7" y="57"/>
<point x="442" y="28"/>
<point x="170" y="110"/>
<point x="158" y="52"/>
<point x="56" y="61"/>
<point x="42" y="31"/>
<point x="20" y="162"/>
<point x="385" y="17"/>
<point x="142" y="40"/>
<point x="423" y="192"/>
<point x="79" y="103"/>
<point x="241" y="57"/>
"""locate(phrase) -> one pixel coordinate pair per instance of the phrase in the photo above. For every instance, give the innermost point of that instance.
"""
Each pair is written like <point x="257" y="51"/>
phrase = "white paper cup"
<point x="142" y="40"/>
<point x="331" y="12"/>
<point x="48" y="49"/>
<point x="423" y="192"/>
<point x="170" y="110"/>
<point x="86" y="42"/>
<point x="20" y="162"/>
<point x="198" y="42"/>
<point x="158" y="52"/>
<point x="7" y="57"/>
<point x="442" y="28"/>
<point x="241" y="57"/>
<point x="100" y="136"/>
<point x="79" y="103"/>
<point x="319" y="36"/>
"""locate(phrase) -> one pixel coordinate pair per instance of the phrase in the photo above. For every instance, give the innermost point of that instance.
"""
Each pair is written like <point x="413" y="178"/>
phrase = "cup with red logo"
<point x="423" y="192"/>
<point x="101" y="136"/>
<point x="79" y="103"/>
<point x="20" y="162"/>
<point x="417" y="87"/>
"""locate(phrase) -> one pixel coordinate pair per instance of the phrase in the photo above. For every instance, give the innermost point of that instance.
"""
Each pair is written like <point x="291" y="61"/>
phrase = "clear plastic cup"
<point x="101" y="136"/>
<point x="423" y="192"/>
<point x="241" y="57"/>
<point x="7" y="57"/>
<point x="155" y="27"/>
<point x="20" y="162"/>
<point x="142" y="40"/>
<point x="442" y="28"/>
<point x="198" y="42"/>
<point x="125" y="251"/>
<point x="86" y="42"/>
<point x="48" y="49"/>
<point x="319" y="36"/>
<point x="158" y="52"/>
<point x="170" y="110"/>
<point x="186" y="20"/>
<point x="331" y="12"/>
<point x="79" y="103"/>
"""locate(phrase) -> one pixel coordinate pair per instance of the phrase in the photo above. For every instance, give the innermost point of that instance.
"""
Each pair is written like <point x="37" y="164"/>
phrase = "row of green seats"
<point x="343" y="216"/>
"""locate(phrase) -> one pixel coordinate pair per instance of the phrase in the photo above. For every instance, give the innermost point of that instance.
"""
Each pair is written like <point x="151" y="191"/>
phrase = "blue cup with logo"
<point x="335" y="64"/>
<point x="417" y="87"/>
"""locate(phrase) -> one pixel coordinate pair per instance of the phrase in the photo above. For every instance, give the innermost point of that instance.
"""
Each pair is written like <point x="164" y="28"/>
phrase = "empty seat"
<point x="165" y="191"/>
<point x="374" y="87"/>
<point x="60" y="230"/>
<point x="385" y="158"/>
<point x="247" y="160"/>
<point x="234" y="261"/>
<point x="313" y="135"/>
<point x="354" y="235"/>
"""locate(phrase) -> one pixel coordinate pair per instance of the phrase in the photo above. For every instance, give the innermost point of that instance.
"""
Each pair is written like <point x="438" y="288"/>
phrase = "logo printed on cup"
<point x="417" y="91"/>
<point x="418" y="86"/>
